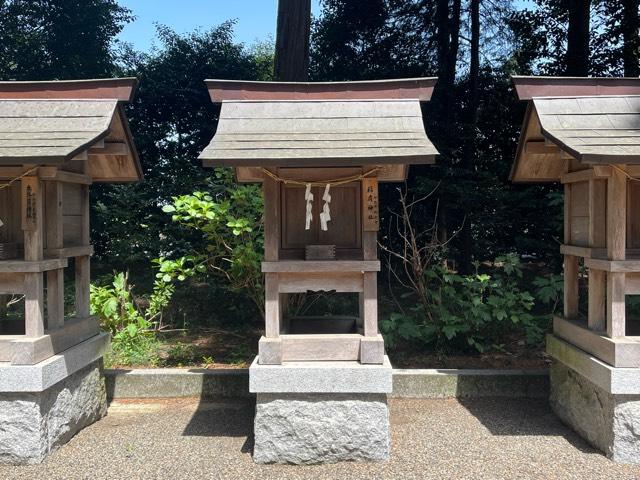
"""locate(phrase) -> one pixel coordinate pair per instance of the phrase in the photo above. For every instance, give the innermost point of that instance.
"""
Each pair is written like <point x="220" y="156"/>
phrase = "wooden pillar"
<point x="32" y="225"/>
<point x="55" y="278"/>
<point x="616" y="250"/>
<point x="83" y="264"/>
<point x="597" y="313"/>
<point x="272" y="312"/>
<point x="271" y="197"/>
<point x="370" y="304"/>
<point x="571" y="292"/>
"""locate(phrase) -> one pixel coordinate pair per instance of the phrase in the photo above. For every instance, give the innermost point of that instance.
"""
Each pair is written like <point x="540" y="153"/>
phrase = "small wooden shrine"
<point x="56" y="139"/>
<point x="320" y="151"/>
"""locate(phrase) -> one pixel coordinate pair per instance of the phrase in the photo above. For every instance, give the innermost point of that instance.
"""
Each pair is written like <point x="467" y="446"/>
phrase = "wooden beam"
<point x="321" y="347"/>
<point x="616" y="215"/>
<point x="53" y="174"/>
<point x="29" y="351"/>
<point x="271" y="196"/>
<point x="82" y="284"/>
<point x="571" y="294"/>
<point x="540" y="147"/>
<point x="272" y="312"/>
<point x="597" y="313"/>
<point x="616" y="311"/>
<point x="617" y="352"/>
<point x="110" y="148"/>
<point x="301" y="266"/>
<point x="567" y="214"/>
<point x="320" y="282"/>
<point x="33" y="305"/>
<point x="19" y="266"/>
<point x="370" y="305"/>
<point x="597" y="213"/>
<point x="597" y="171"/>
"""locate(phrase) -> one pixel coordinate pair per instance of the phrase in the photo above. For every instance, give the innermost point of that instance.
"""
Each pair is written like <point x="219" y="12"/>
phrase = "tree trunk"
<point x="578" y="38"/>
<point x="631" y="37"/>
<point x="292" y="40"/>
<point x="447" y="20"/>
<point x="469" y="148"/>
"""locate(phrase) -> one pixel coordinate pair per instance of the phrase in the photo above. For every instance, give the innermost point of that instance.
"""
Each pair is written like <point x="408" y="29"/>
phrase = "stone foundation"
<point x="43" y="406"/>
<point x="32" y="425"/>
<point x="601" y="403"/>
<point x="321" y="428"/>
<point x="321" y="412"/>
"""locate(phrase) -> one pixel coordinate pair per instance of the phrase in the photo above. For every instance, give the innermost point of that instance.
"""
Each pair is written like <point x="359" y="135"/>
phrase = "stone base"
<point x="608" y="421"/>
<point x="43" y="406"/>
<point x="312" y="428"/>
<point x="321" y="412"/>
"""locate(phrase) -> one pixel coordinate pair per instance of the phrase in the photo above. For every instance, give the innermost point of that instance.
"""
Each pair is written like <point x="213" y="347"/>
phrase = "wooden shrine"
<point x="320" y="151"/>
<point x="585" y="133"/>
<point x="56" y="139"/>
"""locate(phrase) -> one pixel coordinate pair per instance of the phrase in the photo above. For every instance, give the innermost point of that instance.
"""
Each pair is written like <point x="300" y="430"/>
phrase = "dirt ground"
<point x="431" y="439"/>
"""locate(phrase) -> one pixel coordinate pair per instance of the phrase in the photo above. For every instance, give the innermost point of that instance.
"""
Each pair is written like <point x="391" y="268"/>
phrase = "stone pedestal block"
<point x="321" y="428"/>
<point x="599" y="402"/>
<point x="43" y="406"/>
<point x="321" y="412"/>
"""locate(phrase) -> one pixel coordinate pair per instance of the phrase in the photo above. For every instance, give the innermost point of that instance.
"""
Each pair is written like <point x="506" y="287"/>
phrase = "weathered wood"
<point x="586" y="174"/>
<point x="616" y="312"/>
<point x="320" y="252"/>
<point x="55" y="299"/>
<point x="82" y="285"/>
<point x="370" y="207"/>
<point x="69" y="252"/>
<point x="292" y="40"/>
<point x="54" y="174"/>
<point x="19" y="266"/>
<point x="109" y="148"/>
<point x="617" y="352"/>
<point x="597" y="213"/>
<point x="570" y="286"/>
<point x="613" y="265"/>
<point x="33" y="305"/>
<point x="567" y="215"/>
<point x="29" y="351"/>
<point x="271" y="194"/>
<point x="632" y="284"/>
<point x="325" y="347"/>
<point x="273" y="313"/>
<point x="301" y="266"/>
<point x="370" y="306"/>
<point x="11" y="283"/>
<point x="540" y="147"/>
<point x="32" y="218"/>
<point x="597" y="313"/>
<point x="321" y="282"/>
<point x="370" y="245"/>
<point x="616" y="215"/>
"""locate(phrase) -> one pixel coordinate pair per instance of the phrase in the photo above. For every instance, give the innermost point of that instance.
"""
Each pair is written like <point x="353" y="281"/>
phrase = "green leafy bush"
<point x="230" y="221"/>
<point x="132" y="327"/>
<point x="476" y="311"/>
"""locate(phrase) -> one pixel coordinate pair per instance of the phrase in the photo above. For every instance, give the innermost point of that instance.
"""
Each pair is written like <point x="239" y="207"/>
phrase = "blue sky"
<point x="256" y="19"/>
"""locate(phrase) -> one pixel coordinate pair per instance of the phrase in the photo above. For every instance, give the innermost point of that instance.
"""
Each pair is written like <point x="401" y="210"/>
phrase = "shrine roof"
<point x="316" y="124"/>
<point x="589" y="120"/>
<point x="51" y="123"/>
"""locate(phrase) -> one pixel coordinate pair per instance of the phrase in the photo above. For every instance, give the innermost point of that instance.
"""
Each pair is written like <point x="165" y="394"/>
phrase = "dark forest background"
<point x="474" y="119"/>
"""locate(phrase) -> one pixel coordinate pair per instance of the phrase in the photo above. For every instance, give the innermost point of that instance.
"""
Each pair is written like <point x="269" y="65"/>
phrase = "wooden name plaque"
<point x="371" y="213"/>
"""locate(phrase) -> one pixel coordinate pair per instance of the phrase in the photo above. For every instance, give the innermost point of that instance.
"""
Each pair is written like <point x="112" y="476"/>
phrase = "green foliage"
<point x="172" y="119"/>
<point x="476" y="311"/>
<point x="230" y="223"/>
<point x="59" y="39"/>
<point x="131" y="327"/>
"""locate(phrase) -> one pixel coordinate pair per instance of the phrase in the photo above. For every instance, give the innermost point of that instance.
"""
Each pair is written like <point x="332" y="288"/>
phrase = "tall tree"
<point x="631" y="38"/>
<point x="59" y="39"/>
<point x="292" y="40"/>
<point x="472" y="126"/>
<point x="578" y="37"/>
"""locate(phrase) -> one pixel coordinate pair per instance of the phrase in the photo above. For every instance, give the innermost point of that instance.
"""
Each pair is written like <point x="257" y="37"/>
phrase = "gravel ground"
<point x="439" y="439"/>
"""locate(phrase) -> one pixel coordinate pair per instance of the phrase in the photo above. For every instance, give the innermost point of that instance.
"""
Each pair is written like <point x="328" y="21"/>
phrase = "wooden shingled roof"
<point x="320" y="124"/>
<point x="586" y="120"/>
<point x="52" y="123"/>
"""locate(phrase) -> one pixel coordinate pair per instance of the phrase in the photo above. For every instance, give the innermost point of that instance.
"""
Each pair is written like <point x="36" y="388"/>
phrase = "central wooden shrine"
<point x="320" y="150"/>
